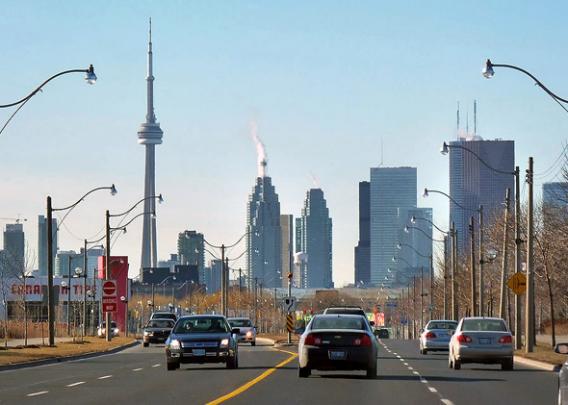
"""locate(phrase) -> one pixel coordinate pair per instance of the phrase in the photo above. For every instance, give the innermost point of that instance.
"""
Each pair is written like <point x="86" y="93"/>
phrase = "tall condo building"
<point x="473" y="184"/>
<point x="363" y="248"/>
<point x="264" y="234"/>
<point x="14" y="249"/>
<point x="66" y="262"/>
<point x="414" y="243"/>
<point x="149" y="135"/>
<point x="315" y="232"/>
<point x="42" y="242"/>
<point x="213" y="276"/>
<point x="392" y="191"/>
<point x="287" y="228"/>
<point x="555" y="195"/>
<point x="191" y="250"/>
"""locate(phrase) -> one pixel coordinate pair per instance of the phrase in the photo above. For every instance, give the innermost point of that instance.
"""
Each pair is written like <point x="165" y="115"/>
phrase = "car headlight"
<point x="249" y="334"/>
<point x="175" y="344"/>
<point x="224" y="343"/>
<point x="115" y="330"/>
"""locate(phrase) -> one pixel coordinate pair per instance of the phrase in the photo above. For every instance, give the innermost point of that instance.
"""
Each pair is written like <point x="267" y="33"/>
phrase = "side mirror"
<point x="235" y="331"/>
<point x="372" y="323"/>
<point x="561" y="348"/>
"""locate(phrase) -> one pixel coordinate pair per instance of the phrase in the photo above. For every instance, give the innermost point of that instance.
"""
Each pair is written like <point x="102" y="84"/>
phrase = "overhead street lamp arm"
<point x="447" y="146"/>
<point x="428" y="191"/>
<point x="400" y="245"/>
<point x="415" y="218"/>
<point x="395" y="259"/>
<point x="123" y="227"/>
<point x="158" y="197"/>
<point x="91" y="78"/>
<point x="489" y="73"/>
<point x="407" y="227"/>
<point x="112" y="189"/>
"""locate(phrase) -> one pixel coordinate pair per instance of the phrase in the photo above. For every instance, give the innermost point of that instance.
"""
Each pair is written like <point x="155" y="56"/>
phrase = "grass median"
<point x="62" y="349"/>
<point x="543" y="353"/>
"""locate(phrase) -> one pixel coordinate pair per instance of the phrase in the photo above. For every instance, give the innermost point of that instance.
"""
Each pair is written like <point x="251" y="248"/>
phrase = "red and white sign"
<point x="110" y="302"/>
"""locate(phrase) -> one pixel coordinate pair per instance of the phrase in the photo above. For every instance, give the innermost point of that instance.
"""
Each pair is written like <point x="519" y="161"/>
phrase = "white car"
<point x="436" y="335"/>
<point x="101" y="330"/>
<point x="247" y="330"/>
<point x="481" y="340"/>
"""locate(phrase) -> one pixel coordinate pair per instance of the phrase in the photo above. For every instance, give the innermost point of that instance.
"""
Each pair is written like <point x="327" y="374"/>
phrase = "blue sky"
<point x="325" y="81"/>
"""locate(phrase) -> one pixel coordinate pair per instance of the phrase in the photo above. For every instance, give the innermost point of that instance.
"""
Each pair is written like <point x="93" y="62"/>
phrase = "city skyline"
<point x="281" y="82"/>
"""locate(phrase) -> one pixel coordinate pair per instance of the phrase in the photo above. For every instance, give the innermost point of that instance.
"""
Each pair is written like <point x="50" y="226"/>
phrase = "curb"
<point x="537" y="364"/>
<point x="63" y="359"/>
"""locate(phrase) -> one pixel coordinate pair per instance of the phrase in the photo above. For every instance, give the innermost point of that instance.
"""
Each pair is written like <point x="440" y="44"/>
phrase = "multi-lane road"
<point x="269" y="375"/>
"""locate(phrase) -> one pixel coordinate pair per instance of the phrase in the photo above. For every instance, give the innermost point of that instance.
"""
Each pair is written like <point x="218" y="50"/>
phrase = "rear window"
<point x="167" y="315"/>
<point x="338" y="323"/>
<point x="346" y="311"/>
<point x="202" y="325"/>
<point x="237" y="323"/>
<point x="442" y="325"/>
<point x="160" y="323"/>
<point x="488" y="325"/>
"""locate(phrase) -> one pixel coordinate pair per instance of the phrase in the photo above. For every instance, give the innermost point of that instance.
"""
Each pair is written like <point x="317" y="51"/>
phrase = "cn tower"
<point x="149" y="135"/>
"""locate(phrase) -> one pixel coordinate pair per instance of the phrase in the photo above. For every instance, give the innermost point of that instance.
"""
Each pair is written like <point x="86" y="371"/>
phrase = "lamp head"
<point x="491" y="254"/>
<point x="153" y="214"/>
<point x="406" y="229"/>
<point x="425" y="193"/>
<point x="91" y="77"/>
<point x="413" y="219"/>
<point x="113" y="190"/>
<point x="399" y="247"/>
<point x="444" y="149"/>
<point x="394" y="259"/>
<point x="488" y="71"/>
<point x="160" y="199"/>
<point x="78" y="271"/>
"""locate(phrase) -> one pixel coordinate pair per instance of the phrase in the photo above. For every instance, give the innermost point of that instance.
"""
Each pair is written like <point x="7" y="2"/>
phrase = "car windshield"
<point x="160" y="323"/>
<point x="489" y="325"/>
<point x="167" y="315"/>
<point x="238" y="323"/>
<point x="442" y="325"/>
<point x="202" y="325"/>
<point x="347" y="311"/>
<point x="339" y="323"/>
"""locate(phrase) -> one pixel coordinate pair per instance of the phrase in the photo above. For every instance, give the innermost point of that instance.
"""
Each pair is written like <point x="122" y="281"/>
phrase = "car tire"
<point x="423" y="351"/>
<point x="304" y="372"/>
<point x="232" y="362"/>
<point x="372" y="373"/>
<point x="145" y="344"/>
<point x="172" y="365"/>
<point x="253" y="343"/>
<point x="457" y="364"/>
<point x="507" y="364"/>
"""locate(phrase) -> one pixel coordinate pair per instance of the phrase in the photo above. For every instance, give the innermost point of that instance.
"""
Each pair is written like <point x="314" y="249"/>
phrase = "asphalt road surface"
<point x="270" y="376"/>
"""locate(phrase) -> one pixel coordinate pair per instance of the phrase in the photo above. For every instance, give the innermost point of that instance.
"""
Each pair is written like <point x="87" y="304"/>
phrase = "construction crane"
<point x="16" y="220"/>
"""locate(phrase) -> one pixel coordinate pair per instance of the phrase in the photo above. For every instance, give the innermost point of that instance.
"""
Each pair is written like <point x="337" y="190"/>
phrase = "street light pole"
<point x="108" y="329"/>
<point x="529" y="303"/>
<point x="454" y="236"/>
<point x="472" y="267"/>
<point x="518" y="258"/>
<point x="69" y="258"/>
<point x="481" y="255"/>
<point x="505" y="254"/>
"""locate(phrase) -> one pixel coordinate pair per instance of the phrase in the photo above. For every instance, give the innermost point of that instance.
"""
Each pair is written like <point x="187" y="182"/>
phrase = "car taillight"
<point x="430" y="335"/>
<point x="464" y="339"/>
<point x="312" y="340"/>
<point x="508" y="339"/>
<point x="363" y="340"/>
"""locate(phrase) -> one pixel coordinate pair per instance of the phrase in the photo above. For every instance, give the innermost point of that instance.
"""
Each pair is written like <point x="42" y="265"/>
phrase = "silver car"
<point x="481" y="340"/>
<point x="562" y="348"/>
<point x="247" y="330"/>
<point x="436" y="335"/>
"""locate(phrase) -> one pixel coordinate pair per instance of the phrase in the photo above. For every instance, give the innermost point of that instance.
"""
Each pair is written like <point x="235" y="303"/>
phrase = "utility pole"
<point x="50" y="292"/>
<point x="472" y="266"/>
<point x="69" y="295"/>
<point x="446" y="315"/>
<point x="108" y="328"/>
<point x="223" y="302"/>
<point x="481" y="255"/>
<point x="84" y="329"/>
<point x="431" y="308"/>
<point x="255" y="302"/>
<point x="454" y="235"/>
<point x="518" y="257"/>
<point x="529" y="303"/>
<point x="421" y="297"/>
<point x="413" y="307"/>
<point x="226" y="272"/>
<point x="504" y="261"/>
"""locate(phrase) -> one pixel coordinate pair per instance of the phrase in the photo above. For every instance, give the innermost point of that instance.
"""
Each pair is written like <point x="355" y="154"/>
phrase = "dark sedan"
<point x="157" y="331"/>
<point x="202" y="339"/>
<point x="338" y="342"/>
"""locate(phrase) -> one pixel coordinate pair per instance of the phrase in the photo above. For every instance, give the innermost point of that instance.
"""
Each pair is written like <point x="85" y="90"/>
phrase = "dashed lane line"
<point x="104" y="377"/>
<point x="156" y="365"/>
<point x="35" y="394"/>
<point x="447" y="401"/>
<point x="137" y="369"/>
<point x="75" y="384"/>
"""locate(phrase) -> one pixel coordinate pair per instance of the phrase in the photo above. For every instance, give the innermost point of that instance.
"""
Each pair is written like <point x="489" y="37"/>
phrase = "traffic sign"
<point x="289" y="304"/>
<point x="518" y="283"/>
<point x="290" y="323"/>
<point x="109" y="300"/>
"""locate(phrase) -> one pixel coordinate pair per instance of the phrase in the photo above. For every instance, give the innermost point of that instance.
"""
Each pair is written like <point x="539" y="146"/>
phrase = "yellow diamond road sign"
<point x="518" y="283"/>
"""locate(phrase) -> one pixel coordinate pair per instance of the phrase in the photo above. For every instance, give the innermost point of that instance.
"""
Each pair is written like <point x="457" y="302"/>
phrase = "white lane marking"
<point x="423" y="380"/>
<point x="446" y="401"/>
<point x="405" y="363"/>
<point x="137" y="369"/>
<point x="104" y="377"/>
<point x="410" y="368"/>
<point x="75" y="384"/>
<point x="402" y="360"/>
<point x="35" y="394"/>
<point x="415" y="372"/>
<point x="156" y="365"/>
<point x="397" y="356"/>
<point x="432" y="389"/>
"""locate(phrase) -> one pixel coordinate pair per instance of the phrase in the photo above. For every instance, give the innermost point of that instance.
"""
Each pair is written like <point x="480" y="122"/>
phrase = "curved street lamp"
<point x="50" y="297"/>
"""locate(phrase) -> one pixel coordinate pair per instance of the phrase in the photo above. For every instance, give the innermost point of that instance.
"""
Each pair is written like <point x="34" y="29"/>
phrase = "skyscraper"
<point x="42" y="242"/>
<point x="473" y="184"/>
<point x="287" y="228"/>
<point x="264" y="243"/>
<point x="149" y="135"/>
<point x="213" y="276"/>
<point x="14" y="249"/>
<point x="363" y="248"/>
<point x="415" y="243"/>
<point x="392" y="189"/>
<point x="555" y="195"/>
<point x="191" y="250"/>
<point x="316" y="239"/>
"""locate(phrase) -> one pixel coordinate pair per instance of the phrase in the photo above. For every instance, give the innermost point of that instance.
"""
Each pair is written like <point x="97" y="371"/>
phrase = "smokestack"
<point x="474" y="117"/>
<point x="262" y="160"/>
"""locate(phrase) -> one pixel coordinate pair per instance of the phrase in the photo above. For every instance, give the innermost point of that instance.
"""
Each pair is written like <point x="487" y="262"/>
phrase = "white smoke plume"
<point x="260" y="149"/>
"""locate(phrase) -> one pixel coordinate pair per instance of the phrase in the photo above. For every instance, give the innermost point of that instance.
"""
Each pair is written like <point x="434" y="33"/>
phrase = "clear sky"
<point x="325" y="81"/>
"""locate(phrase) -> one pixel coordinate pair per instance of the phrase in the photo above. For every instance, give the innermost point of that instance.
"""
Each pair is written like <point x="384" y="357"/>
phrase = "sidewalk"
<point x="34" y="341"/>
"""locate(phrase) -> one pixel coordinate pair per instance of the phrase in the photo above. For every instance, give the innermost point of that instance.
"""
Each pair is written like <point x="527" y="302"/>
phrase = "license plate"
<point x="198" y="352"/>
<point x="484" y="341"/>
<point x="336" y="355"/>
